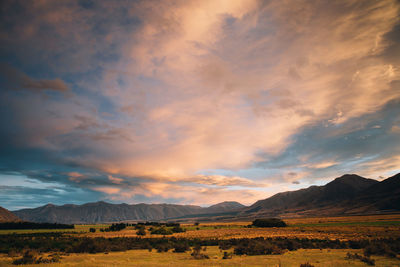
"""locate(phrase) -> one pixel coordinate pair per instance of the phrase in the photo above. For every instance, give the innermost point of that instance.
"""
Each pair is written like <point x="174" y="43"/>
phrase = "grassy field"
<point x="352" y="227"/>
<point x="79" y="228"/>
<point x="315" y="257"/>
<point x="342" y="228"/>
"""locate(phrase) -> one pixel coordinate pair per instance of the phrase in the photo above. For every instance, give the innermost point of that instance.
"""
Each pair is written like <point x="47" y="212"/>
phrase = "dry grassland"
<point x="316" y="257"/>
<point x="342" y="228"/>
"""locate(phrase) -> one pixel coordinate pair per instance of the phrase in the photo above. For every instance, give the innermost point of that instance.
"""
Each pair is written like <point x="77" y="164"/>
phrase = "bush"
<point x="306" y="265"/>
<point x="227" y="255"/>
<point x="163" y="247"/>
<point x="161" y="231"/>
<point x="197" y="255"/>
<point x="257" y="247"/>
<point x="31" y="257"/>
<point x="224" y="245"/>
<point x="181" y="247"/>
<point x="271" y="222"/>
<point x="141" y="231"/>
<point x="380" y="248"/>
<point x="178" y="229"/>
<point x="117" y="227"/>
<point x="365" y="259"/>
<point x="92" y="230"/>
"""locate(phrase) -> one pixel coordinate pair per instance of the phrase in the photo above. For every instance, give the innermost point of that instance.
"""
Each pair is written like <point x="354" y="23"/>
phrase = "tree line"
<point x="32" y="225"/>
<point x="57" y="242"/>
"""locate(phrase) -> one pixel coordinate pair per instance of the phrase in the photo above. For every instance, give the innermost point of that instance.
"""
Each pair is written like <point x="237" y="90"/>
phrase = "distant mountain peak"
<point x="104" y="212"/>
<point x="352" y="180"/>
<point x="347" y="193"/>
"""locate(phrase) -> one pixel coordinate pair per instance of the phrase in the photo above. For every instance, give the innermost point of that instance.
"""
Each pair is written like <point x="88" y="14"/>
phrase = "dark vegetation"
<point x="362" y="258"/>
<point x="32" y="225"/>
<point x="197" y="253"/>
<point x="158" y="228"/>
<point x="141" y="230"/>
<point x="227" y="255"/>
<point x="167" y="224"/>
<point x="13" y="244"/>
<point x="177" y="229"/>
<point x="32" y="257"/>
<point x="161" y="231"/>
<point x="114" y="227"/>
<point x="270" y="222"/>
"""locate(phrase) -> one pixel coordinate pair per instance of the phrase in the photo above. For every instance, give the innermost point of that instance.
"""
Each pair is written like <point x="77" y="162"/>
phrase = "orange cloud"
<point x="226" y="99"/>
<point x="115" y="180"/>
<point x="107" y="190"/>
<point x="189" y="194"/>
<point x="204" y="85"/>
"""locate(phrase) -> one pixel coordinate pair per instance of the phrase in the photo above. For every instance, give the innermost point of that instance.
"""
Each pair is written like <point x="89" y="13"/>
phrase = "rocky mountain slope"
<point x="7" y="216"/>
<point x="105" y="212"/>
<point x="348" y="194"/>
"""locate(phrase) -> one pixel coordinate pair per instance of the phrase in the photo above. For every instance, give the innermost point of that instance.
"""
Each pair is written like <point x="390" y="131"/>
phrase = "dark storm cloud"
<point x="63" y="36"/>
<point x="17" y="197"/>
<point x="15" y="79"/>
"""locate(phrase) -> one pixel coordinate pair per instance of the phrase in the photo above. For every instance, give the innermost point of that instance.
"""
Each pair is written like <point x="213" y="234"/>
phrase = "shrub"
<point x="178" y="229"/>
<point x="141" y="231"/>
<point x="257" y="247"/>
<point x="31" y="257"/>
<point x="271" y="222"/>
<point x="172" y="224"/>
<point x="306" y="265"/>
<point x="117" y="227"/>
<point x="227" y="255"/>
<point x="161" y="231"/>
<point x="365" y="259"/>
<point x="197" y="255"/>
<point x="379" y="248"/>
<point x="163" y="247"/>
<point x="181" y="247"/>
<point x="92" y="230"/>
<point x="225" y="245"/>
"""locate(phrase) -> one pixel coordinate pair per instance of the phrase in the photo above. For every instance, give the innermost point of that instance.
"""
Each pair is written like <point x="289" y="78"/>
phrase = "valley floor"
<point x="316" y="257"/>
<point x="328" y="228"/>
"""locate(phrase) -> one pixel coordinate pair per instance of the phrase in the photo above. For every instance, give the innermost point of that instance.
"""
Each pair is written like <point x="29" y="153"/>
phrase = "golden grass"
<point x="343" y="228"/>
<point x="316" y="257"/>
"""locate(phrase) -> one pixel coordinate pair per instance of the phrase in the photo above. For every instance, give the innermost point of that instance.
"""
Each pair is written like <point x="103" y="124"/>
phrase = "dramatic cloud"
<point x="18" y="80"/>
<point x="198" y="101"/>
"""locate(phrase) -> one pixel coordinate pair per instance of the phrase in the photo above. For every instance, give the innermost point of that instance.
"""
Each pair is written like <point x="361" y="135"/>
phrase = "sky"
<point x="194" y="102"/>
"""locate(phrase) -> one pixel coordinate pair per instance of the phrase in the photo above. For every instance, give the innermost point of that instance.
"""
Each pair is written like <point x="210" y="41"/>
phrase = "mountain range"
<point x="349" y="194"/>
<point x="101" y="212"/>
<point x="346" y="195"/>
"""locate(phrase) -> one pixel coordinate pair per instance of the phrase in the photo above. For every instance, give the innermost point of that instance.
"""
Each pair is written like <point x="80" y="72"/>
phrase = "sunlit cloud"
<point x="107" y="190"/>
<point x="142" y="97"/>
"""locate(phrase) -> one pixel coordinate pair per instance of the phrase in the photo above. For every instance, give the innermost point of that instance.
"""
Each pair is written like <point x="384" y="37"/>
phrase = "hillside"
<point x="348" y="194"/>
<point x="105" y="212"/>
<point x="7" y="216"/>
